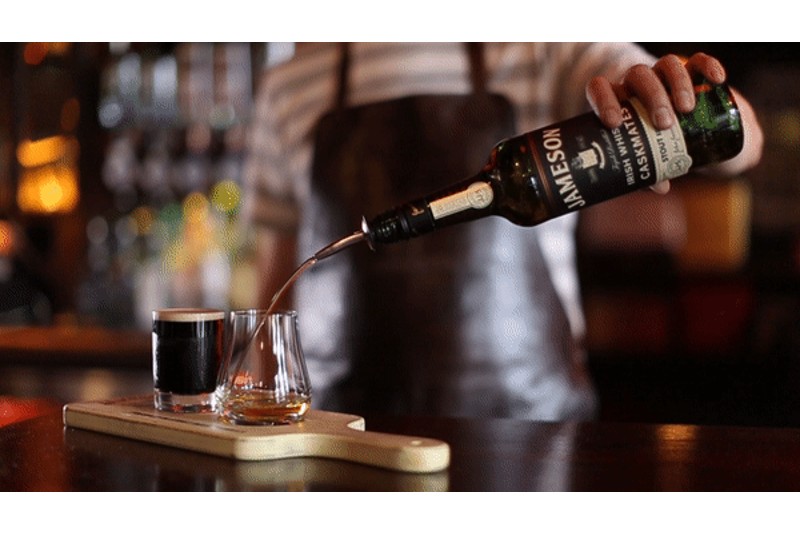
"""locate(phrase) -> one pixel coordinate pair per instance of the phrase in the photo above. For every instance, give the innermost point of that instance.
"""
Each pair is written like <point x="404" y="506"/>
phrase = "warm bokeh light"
<point x="70" y="114"/>
<point x="785" y="128"/>
<point x="34" y="53"/>
<point x="59" y="49"/>
<point x="47" y="190"/>
<point x="48" y="180"/>
<point x="144" y="218"/>
<point x="6" y="238"/>
<point x="225" y="196"/>
<point x="43" y="151"/>
<point x="195" y="207"/>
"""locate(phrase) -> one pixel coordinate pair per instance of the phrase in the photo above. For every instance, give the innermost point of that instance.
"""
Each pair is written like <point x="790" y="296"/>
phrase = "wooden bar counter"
<point x="486" y="455"/>
<point x="70" y="362"/>
<point x="74" y="346"/>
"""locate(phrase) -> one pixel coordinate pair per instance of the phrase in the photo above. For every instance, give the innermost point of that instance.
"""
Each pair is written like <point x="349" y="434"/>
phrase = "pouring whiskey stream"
<point x="329" y="250"/>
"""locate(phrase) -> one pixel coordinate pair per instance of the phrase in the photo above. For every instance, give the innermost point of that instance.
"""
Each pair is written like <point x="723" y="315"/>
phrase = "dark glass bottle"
<point x="574" y="164"/>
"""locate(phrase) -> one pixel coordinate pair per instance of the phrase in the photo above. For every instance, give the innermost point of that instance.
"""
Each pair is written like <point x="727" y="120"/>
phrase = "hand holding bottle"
<point x="597" y="156"/>
<point x="666" y="87"/>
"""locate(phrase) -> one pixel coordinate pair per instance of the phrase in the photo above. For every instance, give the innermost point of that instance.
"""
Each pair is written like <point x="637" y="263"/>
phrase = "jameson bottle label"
<point x="582" y="163"/>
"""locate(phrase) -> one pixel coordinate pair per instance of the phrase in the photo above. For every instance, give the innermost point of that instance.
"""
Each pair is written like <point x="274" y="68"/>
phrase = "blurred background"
<point x="120" y="188"/>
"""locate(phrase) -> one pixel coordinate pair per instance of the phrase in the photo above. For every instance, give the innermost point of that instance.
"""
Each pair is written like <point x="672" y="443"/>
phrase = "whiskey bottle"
<point x="574" y="164"/>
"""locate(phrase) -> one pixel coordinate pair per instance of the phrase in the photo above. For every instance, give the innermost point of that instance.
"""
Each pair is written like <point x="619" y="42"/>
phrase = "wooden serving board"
<point x="321" y="434"/>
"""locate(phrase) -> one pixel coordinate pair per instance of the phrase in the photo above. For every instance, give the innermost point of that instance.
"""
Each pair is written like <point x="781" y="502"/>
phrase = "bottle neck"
<point x="465" y="201"/>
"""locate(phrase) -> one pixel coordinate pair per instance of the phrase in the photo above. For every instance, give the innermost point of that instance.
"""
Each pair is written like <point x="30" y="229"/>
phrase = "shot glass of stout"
<point x="187" y="353"/>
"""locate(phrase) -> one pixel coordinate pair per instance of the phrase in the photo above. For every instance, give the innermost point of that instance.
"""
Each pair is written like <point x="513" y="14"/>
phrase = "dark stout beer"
<point x="187" y="352"/>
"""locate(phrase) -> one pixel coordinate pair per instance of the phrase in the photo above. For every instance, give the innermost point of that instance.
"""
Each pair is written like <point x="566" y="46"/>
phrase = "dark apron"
<point x="402" y="318"/>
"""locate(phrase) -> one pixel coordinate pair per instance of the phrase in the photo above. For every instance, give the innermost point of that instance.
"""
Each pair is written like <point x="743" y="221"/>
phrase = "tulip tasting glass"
<point x="263" y="379"/>
<point x="187" y="351"/>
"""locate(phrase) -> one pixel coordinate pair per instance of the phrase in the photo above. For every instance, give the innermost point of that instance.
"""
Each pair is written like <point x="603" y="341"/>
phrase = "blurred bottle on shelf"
<point x="176" y="118"/>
